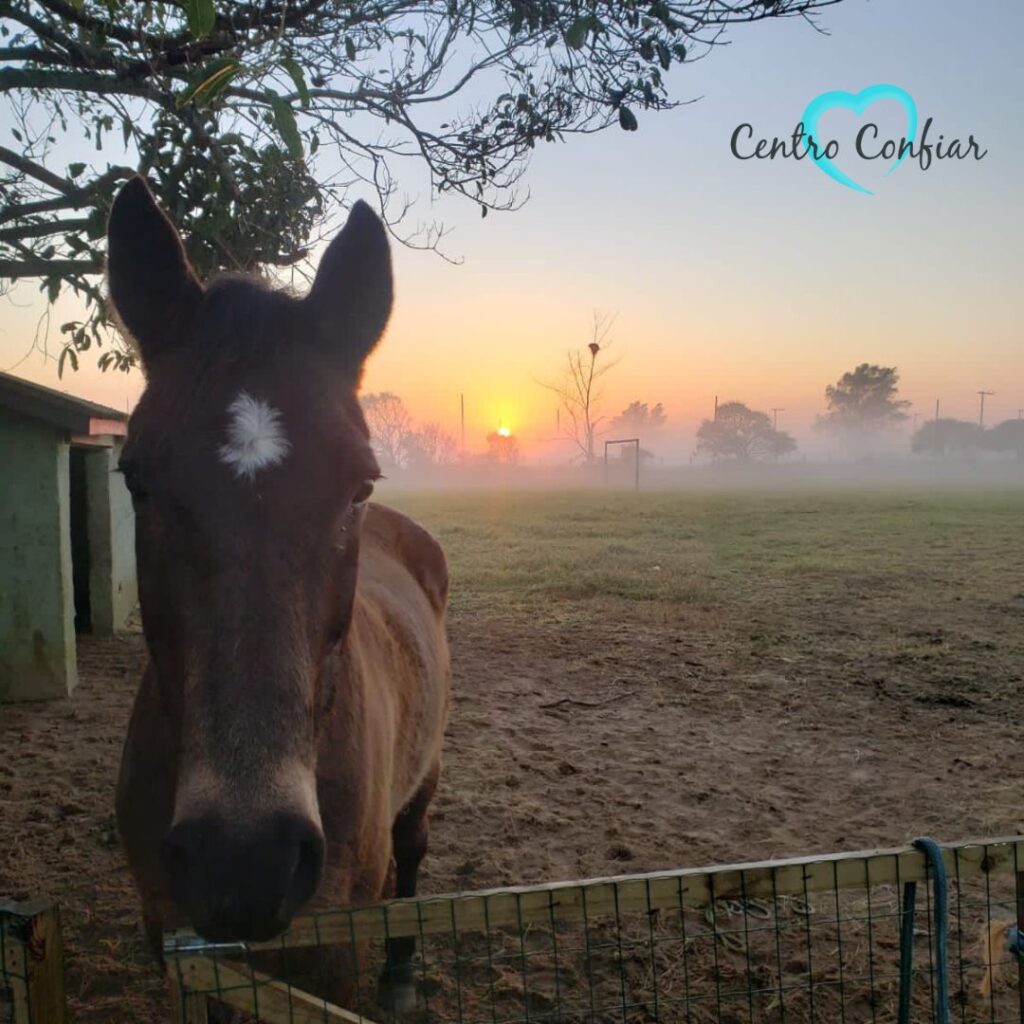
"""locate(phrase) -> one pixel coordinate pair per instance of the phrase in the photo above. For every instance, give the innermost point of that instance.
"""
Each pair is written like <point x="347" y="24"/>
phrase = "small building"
<point x="67" y="535"/>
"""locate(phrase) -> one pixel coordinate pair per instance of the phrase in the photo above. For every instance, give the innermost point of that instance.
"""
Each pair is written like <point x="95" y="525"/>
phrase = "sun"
<point x="504" y="432"/>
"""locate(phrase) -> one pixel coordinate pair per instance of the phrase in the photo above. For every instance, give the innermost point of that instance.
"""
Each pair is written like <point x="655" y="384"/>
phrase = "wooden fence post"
<point x="187" y="1007"/>
<point x="32" y="962"/>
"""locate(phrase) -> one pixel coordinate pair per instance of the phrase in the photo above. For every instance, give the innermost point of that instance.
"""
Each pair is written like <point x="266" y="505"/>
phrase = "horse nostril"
<point x="309" y="863"/>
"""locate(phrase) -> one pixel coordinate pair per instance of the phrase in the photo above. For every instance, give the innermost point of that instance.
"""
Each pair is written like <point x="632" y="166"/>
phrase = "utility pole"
<point x="716" y="407"/>
<point x="936" y="409"/>
<point x="462" y="419"/>
<point x="981" y="411"/>
<point x="775" y="416"/>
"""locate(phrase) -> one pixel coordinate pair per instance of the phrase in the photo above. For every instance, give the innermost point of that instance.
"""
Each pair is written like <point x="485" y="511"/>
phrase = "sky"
<point x="755" y="280"/>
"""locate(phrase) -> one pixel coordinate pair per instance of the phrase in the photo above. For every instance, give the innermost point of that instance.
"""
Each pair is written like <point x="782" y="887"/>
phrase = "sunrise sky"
<point x="754" y="280"/>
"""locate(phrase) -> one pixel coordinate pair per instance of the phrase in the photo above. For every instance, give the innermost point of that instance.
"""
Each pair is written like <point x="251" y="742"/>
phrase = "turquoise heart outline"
<point x="858" y="103"/>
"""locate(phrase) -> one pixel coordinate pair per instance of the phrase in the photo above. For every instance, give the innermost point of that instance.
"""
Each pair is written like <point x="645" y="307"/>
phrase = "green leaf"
<point x="284" y="121"/>
<point x="576" y="34"/>
<point x="664" y="56"/>
<point x="66" y="353"/>
<point x="298" y="76"/>
<point x="350" y="48"/>
<point x="201" y="17"/>
<point x="207" y="82"/>
<point x="75" y="169"/>
<point x="627" y="120"/>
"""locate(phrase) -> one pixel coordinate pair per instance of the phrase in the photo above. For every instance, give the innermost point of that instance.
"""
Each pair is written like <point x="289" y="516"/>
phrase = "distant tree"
<point x="627" y="456"/>
<point x="390" y="426"/>
<point x="864" y="401"/>
<point x="637" y="420"/>
<point x="739" y="433"/>
<point x="1007" y="436"/>
<point x="430" y="446"/>
<point x="578" y="391"/>
<point x="947" y="437"/>
<point x="502" y="449"/>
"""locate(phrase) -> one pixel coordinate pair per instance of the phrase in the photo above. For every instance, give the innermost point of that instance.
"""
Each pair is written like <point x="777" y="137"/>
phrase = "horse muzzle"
<point x="243" y="883"/>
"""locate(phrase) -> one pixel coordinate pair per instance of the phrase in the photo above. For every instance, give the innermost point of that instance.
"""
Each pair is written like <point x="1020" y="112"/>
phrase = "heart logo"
<point x="858" y="103"/>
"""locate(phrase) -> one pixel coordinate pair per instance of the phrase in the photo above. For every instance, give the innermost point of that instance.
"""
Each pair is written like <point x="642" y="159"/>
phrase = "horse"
<point x="285" y="740"/>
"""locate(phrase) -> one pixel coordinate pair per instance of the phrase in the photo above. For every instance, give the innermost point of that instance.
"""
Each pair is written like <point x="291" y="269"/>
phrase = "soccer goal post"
<point x="635" y="442"/>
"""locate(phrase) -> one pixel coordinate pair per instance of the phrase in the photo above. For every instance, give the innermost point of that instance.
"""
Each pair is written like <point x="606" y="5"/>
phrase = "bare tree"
<point x="432" y="445"/>
<point x="579" y="393"/>
<point x="390" y="426"/>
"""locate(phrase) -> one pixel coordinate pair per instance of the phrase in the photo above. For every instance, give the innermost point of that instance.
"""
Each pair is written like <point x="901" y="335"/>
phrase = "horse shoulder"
<point x="413" y="547"/>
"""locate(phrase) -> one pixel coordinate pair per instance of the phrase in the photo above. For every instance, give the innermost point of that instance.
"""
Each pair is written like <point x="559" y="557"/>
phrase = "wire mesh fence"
<point x="804" y="940"/>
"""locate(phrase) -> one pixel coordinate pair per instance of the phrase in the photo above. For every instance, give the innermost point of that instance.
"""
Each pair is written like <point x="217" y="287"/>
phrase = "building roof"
<point x="74" y="415"/>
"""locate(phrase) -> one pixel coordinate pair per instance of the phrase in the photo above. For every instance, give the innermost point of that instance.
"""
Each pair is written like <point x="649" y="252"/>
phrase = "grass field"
<point x="523" y="551"/>
<point x="641" y="682"/>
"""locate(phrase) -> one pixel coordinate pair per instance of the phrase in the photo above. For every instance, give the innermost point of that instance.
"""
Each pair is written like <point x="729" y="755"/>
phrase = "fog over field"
<point x="796" y="475"/>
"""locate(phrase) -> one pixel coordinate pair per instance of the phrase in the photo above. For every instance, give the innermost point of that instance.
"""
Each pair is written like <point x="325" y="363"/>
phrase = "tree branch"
<point x="38" y="267"/>
<point x="41" y="79"/>
<point x="33" y="170"/>
<point x="43" y="229"/>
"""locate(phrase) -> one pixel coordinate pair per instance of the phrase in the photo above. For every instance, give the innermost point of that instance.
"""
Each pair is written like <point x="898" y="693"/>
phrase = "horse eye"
<point x="362" y="495"/>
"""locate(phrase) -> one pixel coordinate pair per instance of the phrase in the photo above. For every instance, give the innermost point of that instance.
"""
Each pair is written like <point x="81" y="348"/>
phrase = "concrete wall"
<point x="112" y="588"/>
<point x="37" y="633"/>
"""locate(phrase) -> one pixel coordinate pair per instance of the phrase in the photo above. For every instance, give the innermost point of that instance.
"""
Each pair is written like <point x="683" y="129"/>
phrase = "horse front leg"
<point x="409" y="836"/>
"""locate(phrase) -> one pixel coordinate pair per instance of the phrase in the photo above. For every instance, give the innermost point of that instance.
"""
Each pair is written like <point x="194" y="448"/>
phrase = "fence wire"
<point x="797" y="941"/>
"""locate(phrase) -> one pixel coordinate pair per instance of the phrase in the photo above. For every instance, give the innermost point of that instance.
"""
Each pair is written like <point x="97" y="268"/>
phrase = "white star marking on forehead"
<point x="255" y="437"/>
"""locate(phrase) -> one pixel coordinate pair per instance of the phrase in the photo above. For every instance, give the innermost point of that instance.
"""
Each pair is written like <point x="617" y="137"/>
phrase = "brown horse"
<point x="286" y="737"/>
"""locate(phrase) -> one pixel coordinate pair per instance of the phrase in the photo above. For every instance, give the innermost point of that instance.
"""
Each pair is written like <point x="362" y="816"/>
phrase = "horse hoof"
<point x="397" y="991"/>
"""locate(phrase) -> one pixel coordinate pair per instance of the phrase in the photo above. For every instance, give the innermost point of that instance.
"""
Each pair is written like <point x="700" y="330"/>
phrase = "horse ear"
<point x="152" y="284"/>
<point x="351" y="295"/>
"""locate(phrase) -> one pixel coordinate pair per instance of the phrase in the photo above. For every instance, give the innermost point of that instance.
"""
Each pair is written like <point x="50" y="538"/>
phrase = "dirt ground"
<point x="831" y="709"/>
